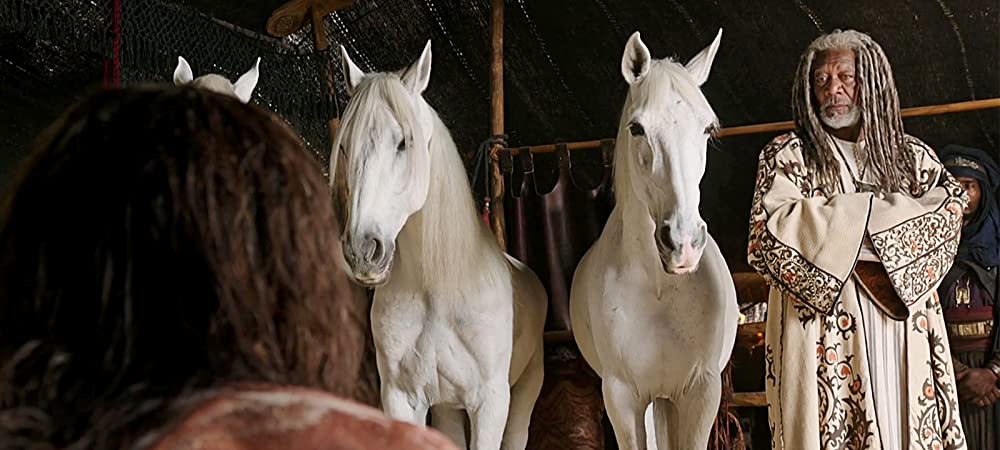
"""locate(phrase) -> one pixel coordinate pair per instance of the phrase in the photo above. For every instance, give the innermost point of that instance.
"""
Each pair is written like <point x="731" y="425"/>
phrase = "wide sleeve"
<point x="801" y="241"/>
<point x="916" y="233"/>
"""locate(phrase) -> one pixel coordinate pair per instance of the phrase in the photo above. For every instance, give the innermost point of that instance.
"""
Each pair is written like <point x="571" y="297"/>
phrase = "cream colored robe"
<point x="806" y="245"/>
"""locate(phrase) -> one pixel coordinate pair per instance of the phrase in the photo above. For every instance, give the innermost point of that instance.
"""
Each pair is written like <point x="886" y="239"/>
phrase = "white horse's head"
<point x="242" y="89"/>
<point x="662" y="138"/>
<point x="384" y="145"/>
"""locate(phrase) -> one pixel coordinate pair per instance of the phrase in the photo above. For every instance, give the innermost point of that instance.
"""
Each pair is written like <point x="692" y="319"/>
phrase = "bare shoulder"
<point x="283" y="418"/>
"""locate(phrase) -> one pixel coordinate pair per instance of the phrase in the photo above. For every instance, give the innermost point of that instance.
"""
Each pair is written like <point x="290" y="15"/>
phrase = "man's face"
<point x="971" y="186"/>
<point x="833" y="85"/>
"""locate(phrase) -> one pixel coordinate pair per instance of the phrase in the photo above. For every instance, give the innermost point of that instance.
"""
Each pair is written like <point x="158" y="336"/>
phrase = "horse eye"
<point x="712" y="129"/>
<point x="401" y="146"/>
<point x="635" y="129"/>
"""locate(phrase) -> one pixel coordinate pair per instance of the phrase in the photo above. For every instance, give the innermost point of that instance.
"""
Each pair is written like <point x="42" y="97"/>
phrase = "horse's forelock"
<point x="378" y="93"/>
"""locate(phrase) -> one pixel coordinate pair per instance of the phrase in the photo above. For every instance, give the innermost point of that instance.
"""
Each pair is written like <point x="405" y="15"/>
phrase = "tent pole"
<point x="496" y="120"/>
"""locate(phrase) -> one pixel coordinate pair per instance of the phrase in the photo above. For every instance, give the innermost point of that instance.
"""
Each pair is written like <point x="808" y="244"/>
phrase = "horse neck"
<point x="445" y="242"/>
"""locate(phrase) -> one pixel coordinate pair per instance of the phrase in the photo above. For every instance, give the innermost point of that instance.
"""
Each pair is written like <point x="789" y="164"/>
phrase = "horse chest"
<point x="443" y="352"/>
<point x="652" y="327"/>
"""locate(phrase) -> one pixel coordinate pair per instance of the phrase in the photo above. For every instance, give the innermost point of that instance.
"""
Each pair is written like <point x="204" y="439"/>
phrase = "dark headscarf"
<point x="981" y="234"/>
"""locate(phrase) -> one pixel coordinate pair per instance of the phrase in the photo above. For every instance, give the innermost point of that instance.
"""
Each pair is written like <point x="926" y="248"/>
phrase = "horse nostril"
<point x="664" y="237"/>
<point x="700" y="237"/>
<point x="374" y="250"/>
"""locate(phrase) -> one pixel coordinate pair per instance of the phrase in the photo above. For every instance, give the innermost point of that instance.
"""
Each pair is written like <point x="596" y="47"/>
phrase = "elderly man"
<point x="854" y="224"/>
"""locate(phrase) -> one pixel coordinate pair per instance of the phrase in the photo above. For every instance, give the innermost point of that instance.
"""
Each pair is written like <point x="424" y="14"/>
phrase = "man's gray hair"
<point x="890" y="162"/>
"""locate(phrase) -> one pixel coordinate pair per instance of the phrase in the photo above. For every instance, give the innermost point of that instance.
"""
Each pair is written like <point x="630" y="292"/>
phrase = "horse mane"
<point x="666" y="79"/>
<point x="456" y="246"/>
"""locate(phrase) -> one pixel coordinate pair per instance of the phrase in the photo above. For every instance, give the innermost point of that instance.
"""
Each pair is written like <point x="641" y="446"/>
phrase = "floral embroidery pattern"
<point x="842" y="323"/>
<point x="937" y="426"/>
<point x="844" y="419"/>
<point x="918" y="252"/>
<point x="917" y="279"/>
<point x="904" y="244"/>
<point x="781" y="265"/>
<point x="799" y="176"/>
<point x="926" y="176"/>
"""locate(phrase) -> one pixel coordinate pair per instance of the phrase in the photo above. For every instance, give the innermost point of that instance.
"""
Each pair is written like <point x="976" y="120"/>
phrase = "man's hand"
<point x="961" y="371"/>
<point x="989" y="399"/>
<point x="977" y="384"/>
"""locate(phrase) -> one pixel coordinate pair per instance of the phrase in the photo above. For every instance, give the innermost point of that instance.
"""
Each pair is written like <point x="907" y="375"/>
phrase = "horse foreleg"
<point x="626" y="410"/>
<point x="489" y="417"/>
<point x="663" y="416"/>
<point x="523" y="395"/>
<point x="450" y="422"/>
<point x="396" y="404"/>
<point x="700" y="405"/>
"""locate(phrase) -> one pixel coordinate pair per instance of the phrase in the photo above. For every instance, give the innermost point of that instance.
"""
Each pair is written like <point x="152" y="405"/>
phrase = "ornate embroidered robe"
<point x="820" y="370"/>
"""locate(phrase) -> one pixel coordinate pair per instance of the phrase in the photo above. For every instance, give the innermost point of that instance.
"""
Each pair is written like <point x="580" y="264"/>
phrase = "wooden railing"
<point x="774" y="127"/>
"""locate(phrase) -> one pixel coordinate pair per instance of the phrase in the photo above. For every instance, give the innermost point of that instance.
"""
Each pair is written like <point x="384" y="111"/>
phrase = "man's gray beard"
<point x="848" y="119"/>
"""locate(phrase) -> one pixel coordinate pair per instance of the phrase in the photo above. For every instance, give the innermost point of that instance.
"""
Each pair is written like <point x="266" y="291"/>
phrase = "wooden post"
<point x="496" y="120"/>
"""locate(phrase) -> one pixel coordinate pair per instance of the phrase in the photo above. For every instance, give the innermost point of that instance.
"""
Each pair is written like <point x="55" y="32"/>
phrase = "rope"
<point x="490" y="146"/>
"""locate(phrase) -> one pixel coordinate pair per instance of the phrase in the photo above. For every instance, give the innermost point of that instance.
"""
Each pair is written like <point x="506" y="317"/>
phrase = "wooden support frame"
<point x="773" y="127"/>
<point x="496" y="122"/>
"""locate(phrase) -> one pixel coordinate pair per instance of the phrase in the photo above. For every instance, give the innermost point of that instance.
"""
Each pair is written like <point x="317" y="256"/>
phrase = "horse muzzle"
<point x="370" y="259"/>
<point x="680" y="256"/>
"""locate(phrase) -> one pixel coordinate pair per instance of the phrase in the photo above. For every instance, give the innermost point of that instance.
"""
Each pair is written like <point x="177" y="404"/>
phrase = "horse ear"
<point x="182" y="74"/>
<point x="244" y="86"/>
<point x="636" y="60"/>
<point x="352" y="74"/>
<point x="418" y="76"/>
<point x="701" y="64"/>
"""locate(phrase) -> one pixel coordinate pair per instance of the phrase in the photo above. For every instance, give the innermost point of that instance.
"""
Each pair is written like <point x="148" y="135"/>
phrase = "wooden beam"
<point x="774" y="127"/>
<point x="496" y="120"/>
<point x="292" y="16"/>
<point x="749" y="399"/>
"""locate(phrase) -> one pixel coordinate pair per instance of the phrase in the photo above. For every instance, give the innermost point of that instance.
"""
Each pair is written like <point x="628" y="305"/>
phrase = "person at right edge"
<point x="969" y="297"/>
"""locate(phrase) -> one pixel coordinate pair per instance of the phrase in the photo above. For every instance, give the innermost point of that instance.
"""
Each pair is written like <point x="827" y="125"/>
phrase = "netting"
<point x="152" y="34"/>
<point x="292" y="81"/>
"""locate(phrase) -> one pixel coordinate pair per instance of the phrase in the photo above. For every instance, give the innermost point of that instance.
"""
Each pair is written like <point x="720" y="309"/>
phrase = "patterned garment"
<point x="819" y="365"/>
<point x="286" y="418"/>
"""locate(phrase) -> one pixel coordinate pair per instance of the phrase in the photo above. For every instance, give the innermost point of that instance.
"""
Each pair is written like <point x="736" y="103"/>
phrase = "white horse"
<point x="242" y="89"/>
<point x="653" y="304"/>
<point x="457" y="323"/>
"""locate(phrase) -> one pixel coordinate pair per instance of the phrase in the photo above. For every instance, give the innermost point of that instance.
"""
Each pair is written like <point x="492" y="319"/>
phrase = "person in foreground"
<point x="854" y="223"/>
<point x="169" y="279"/>
<point x="969" y="296"/>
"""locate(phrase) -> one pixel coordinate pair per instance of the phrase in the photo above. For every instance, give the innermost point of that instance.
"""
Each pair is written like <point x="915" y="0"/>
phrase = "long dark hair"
<point x="160" y="241"/>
